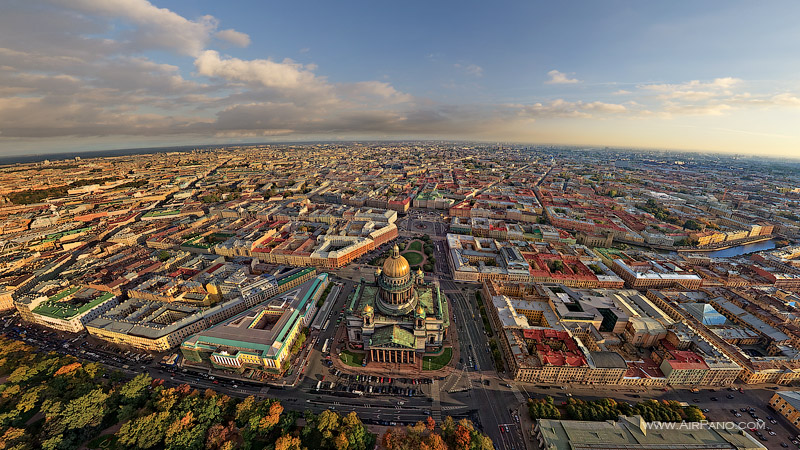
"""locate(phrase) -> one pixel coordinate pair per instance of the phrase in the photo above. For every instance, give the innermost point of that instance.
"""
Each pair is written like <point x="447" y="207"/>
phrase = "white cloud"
<point x="557" y="77"/>
<point x="695" y="90"/>
<point x="566" y="109"/>
<point x="786" y="99"/>
<point x="234" y="37"/>
<point x="155" y="27"/>
<point x="377" y="89"/>
<point x="283" y="75"/>
<point x="696" y="110"/>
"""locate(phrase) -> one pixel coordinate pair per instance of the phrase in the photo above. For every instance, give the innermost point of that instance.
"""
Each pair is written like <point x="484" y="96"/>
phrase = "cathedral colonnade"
<point x="381" y="355"/>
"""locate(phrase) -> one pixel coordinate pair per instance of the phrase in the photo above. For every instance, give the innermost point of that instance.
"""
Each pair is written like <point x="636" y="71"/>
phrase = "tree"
<point x="29" y="399"/>
<point x="135" y="390"/>
<point x="327" y="421"/>
<point x="271" y="419"/>
<point x="448" y="427"/>
<point x="430" y="424"/>
<point x="462" y="437"/>
<point x="288" y="443"/>
<point x="693" y="414"/>
<point x="144" y="432"/>
<point x="483" y="442"/>
<point x="85" y="411"/>
<point x="219" y="436"/>
<point x="19" y="375"/>
<point x="354" y="431"/>
<point x="244" y="409"/>
<point x="434" y="442"/>
<point x="341" y="442"/>
<point x="692" y="225"/>
<point x="13" y="438"/>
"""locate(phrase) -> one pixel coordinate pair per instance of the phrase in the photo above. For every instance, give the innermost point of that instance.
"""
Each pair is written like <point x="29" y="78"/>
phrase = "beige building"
<point x="787" y="403"/>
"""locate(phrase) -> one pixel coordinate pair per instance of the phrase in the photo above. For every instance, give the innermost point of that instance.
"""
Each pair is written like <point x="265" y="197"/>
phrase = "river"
<point x="742" y="249"/>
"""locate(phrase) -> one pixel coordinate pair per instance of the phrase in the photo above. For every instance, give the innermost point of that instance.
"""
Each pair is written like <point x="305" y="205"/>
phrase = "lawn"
<point x="415" y="246"/>
<point x="352" y="359"/>
<point x="414" y="258"/>
<point x="437" y="362"/>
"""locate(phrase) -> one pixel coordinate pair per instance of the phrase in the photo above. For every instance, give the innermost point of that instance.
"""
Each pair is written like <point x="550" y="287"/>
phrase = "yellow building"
<point x="787" y="403"/>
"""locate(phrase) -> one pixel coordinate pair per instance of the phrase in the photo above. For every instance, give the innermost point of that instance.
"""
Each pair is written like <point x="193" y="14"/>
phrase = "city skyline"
<point x="89" y="75"/>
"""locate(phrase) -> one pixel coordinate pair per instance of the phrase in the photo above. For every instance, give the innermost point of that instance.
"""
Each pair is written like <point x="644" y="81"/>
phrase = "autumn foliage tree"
<point x="423" y="436"/>
<point x="71" y="402"/>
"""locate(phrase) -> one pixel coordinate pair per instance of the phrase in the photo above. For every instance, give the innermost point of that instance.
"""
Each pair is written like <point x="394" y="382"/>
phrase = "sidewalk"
<point x="525" y="426"/>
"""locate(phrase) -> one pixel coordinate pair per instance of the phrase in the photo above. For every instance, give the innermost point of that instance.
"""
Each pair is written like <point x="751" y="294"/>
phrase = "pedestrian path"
<point x="454" y="407"/>
<point x="517" y="393"/>
<point x="436" y="407"/>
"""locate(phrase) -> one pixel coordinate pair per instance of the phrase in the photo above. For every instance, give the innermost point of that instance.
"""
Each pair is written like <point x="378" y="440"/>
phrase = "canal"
<point x="742" y="249"/>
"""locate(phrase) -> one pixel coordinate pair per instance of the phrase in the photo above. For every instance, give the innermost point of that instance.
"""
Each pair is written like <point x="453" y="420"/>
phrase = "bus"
<point x="319" y="384"/>
<point x="327" y="322"/>
<point x="325" y="346"/>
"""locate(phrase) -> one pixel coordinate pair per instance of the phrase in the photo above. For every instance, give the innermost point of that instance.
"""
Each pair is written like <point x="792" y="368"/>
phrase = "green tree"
<point x="327" y="422"/>
<point x="85" y="411"/>
<point x="144" y="432"/>
<point x="134" y="391"/>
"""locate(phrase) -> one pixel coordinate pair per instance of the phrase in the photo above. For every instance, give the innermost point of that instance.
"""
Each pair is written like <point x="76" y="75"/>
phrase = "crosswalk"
<point x="520" y="398"/>
<point x="454" y="407"/>
<point x="436" y="407"/>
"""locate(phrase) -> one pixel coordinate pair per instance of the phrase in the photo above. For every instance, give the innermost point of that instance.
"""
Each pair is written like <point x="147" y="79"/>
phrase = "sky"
<point x="102" y="74"/>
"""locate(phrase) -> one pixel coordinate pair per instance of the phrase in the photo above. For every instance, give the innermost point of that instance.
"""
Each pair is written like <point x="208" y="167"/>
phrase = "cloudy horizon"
<point x="95" y="74"/>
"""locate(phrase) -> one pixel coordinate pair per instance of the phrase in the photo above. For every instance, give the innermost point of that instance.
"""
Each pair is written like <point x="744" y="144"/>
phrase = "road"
<point x="492" y="400"/>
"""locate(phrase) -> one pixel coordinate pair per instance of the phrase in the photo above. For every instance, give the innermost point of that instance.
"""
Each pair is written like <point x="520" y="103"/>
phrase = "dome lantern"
<point x="396" y="266"/>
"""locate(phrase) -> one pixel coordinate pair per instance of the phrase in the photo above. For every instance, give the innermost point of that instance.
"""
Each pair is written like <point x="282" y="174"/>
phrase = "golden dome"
<point x="396" y="266"/>
<point x="420" y="310"/>
<point x="368" y="309"/>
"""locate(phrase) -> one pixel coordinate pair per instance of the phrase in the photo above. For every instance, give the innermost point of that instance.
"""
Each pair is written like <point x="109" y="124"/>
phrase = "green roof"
<point x="355" y="296"/>
<point x="203" y="338"/>
<point x="55" y="308"/>
<point x="631" y="432"/>
<point x="392" y="335"/>
<point x="429" y="195"/>
<point x="166" y="212"/>
<point x="55" y="236"/>
<point x="303" y="272"/>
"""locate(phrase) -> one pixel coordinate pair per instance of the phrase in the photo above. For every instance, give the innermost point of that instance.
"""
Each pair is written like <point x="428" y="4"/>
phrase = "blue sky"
<point x="93" y="74"/>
